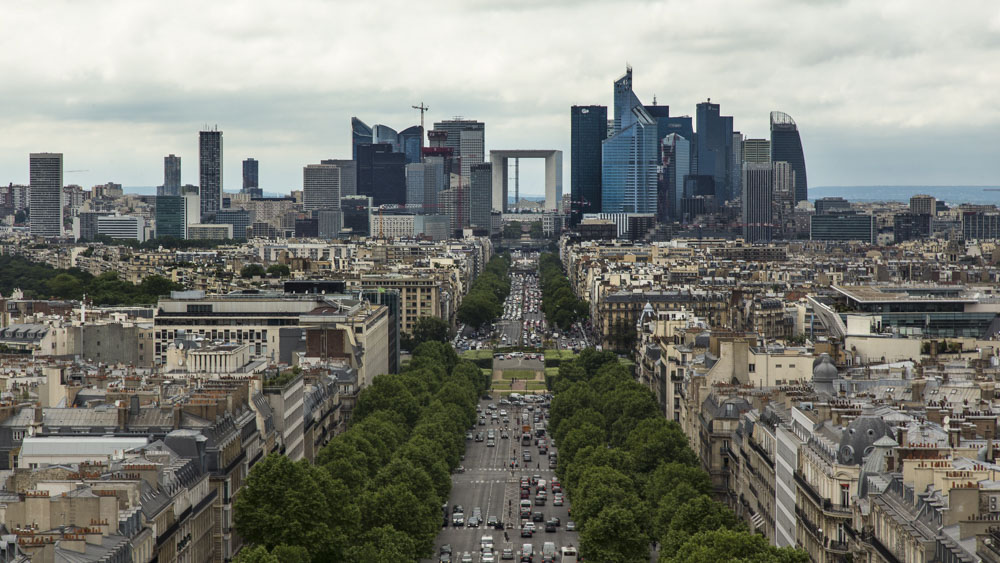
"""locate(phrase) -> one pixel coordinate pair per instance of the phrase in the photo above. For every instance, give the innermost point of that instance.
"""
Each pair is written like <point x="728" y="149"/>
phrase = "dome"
<point x="823" y="368"/>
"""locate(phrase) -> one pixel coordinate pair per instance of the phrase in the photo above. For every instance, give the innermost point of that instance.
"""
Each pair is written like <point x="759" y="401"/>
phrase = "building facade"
<point x="210" y="172"/>
<point x="588" y="130"/>
<point x="46" y="177"/>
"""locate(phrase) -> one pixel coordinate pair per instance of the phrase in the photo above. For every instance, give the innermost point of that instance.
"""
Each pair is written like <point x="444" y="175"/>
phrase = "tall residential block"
<point x="45" y="172"/>
<point x="171" y="175"/>
<point x="758" y="190"/>
<point x="210" y="172"/>
<point x="786" y="145"/>
<point x="923" y="205"/>
<point x="481" y="196"/>
<point x="320" y="187"/>
<point x="251" y="175"/>
<point x="588" y="129"/>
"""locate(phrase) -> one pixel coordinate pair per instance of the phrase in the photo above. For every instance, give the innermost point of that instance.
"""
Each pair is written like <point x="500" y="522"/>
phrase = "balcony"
<point x="800" y="480"/>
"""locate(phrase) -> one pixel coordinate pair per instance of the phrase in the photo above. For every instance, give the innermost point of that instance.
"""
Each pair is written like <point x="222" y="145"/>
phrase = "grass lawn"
<point x="501" y="385"/>
<point x="536" y="386"/>
<point x="518" y="374"/>
<point x="551" y="371"/>
<point x="487" y="372"/>
<point x="477" y="354"/>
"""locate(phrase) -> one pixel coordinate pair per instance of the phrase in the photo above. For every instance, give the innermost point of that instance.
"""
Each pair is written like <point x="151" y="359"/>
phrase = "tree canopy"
<point x="484" y="300"/>
<point x="39" y="281"/>
<point x="561" y="306"/>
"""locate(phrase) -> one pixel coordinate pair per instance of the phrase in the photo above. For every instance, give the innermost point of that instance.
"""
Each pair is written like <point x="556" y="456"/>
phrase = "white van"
<point x="548" y="551"/>
<point x="569" y="555"/>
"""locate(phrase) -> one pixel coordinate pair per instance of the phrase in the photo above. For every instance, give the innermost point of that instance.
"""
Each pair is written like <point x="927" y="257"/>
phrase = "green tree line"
<point x="376" y="490"/>
<point x="169" y="243"/>
<point x="484" y="301"/>
<point x="40" y="281"/>
<point x="633" y="479"/>
<point x="561" y="306"/>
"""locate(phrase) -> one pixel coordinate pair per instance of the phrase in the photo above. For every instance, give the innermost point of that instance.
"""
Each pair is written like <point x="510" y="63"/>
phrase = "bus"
<point x="569" y="555"/>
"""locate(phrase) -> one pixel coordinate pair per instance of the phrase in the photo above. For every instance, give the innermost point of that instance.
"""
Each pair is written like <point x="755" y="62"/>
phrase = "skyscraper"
<point x="923" y="204"/>
<point x="171" y="217"/>
<point x="210" y="172"/>
<point x="481" y="195"/>
<point x="171" y="175"/>
<point x="385" y="135"/>
<point x="757" y="151"/>
<point x="714" y="148"/>
<point x="415" y="186"/>
<point x="588" y="129"/>
<point x="410" y="143"/>
<point x="45" y="172"/>
<point x="787" y="146"/>
<point x="348" y="175"/>
<point x="320" y="187"/>
<point x="736" y="166"/>
<point x="466" y="138"/>
<point x="629" y="159"/>
<point x="676" y="153"/>
<point x="381" y="174"/>
<point x="361" y="134"/>
<point x="251" y="178"/>
<point x="758" y="189"/>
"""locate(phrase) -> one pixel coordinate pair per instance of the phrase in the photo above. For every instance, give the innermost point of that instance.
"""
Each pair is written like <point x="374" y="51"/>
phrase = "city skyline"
<point x="870" y="87"/>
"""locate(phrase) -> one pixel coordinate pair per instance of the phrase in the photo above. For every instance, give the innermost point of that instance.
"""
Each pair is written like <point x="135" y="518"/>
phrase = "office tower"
<point x="210" y="172"/>
<point x="329" y="222"/>
<point x="45" y="172"/>
<point x="423" y="181"/>
<point x="923" y="205"/>
<point x="466" y="138"/>
<point x="455" y="208"/>
<point x="842" y="227"/>
<point x="736" y="166"/>
<point x="415" y="186"/>
<point x="85" y="225"/>
<point x="588" y="129"/>
<point x="240" y="219"/>
<point x="122" y="227"/>
<point x="361" y="134"/>
<point x="481" y="196"/>
<point x="714" y="148"/>
<point x="680" y="125"/>
<point x="783" y="194"/>
<point x="828" y="205"/>
<point x="757" y="151"/>
<point x="911" y="226"/>
<point x="435" y="180"/>
<point x="787" y="146"/>
<point x="348" y="175"/>
<point x="171" y="217"/>
<point x="171" y="175"/>
<point x="629" y="159"/>
<point x="357" y="210"/>
<point x="385" y="135"/>
<point x="758" y="189"/>
<point x="410" y="143"/>
<point x="381" y="175"/>
<point x="320" y="187"/>
<point x="676" y="153"/>
<point x="251" y="178"/>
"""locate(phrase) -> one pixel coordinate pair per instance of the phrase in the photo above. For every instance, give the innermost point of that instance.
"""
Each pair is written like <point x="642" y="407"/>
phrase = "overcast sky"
<point x="887" y="92"/>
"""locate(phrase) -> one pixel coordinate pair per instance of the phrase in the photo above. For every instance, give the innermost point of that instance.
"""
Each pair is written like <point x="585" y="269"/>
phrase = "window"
<point x="752" y="368"/>
<point x="845" y="494"/>
<point x="777" y="366"/>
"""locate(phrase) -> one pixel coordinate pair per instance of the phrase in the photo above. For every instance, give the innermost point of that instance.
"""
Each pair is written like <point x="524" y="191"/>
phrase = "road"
<point x="490" y="484"/>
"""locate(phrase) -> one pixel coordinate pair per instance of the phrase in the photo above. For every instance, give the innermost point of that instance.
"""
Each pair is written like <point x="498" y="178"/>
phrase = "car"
<point x="555" y="520"/>
<point x="550" y="527"/>
<point x="466" y="557"/>
<point x="473" y="522"/>
<point x="557" y="501"/>
<point x="468" y="435"/>
<point x="458" y="520"/>
<point x="482" y="421"/>
<point x="479" y="437"/>
<point x="527" y="532"/>
<point x="492" y="521"/>
<point x="507" y="553"/>
<point x="488" y="557"/>
<point x="527" y="456"/>
<point x="504" y="435"/>
<point x="570" y="526"/>
<point x="444" y="558"/>
<point x="537" y="517"/>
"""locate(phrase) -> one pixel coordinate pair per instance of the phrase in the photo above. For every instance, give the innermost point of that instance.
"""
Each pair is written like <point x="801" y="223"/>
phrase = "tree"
<point x="430" y="329"/>
<point x="65" y="286"/>
<point x="655" y="440"/>
<point x="252" y="271"/>
<point x="278" y="270"/>
<point x="255" y="554"/>
<point x="729" y="546"/>
<point x="384" y="544"/>
<point x="537" y="232"/>
<point x="615" y="535"/>
<point x="699" y="513"/>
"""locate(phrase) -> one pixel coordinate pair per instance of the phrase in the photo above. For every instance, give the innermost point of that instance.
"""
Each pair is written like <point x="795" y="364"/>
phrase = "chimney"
<point x="133" y="405"/>
<point x="122" y="417"/>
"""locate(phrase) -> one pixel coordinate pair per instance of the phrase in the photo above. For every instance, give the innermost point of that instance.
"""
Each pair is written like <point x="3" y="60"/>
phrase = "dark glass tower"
<point x="409" y="143"/>
<point x="210" y="172"/>
<point x="251" y="178"/>
<point x="171" y="175"/>
<point x="381" y="174"/>
<point x="588" y="129"/>
<point x="361" y="134"/>
<point x="787" y="146"/>
<point x="714" y="148"/>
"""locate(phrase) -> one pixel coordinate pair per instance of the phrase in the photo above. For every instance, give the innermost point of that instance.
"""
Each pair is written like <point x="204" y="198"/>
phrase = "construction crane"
<point x="422" y="109"/>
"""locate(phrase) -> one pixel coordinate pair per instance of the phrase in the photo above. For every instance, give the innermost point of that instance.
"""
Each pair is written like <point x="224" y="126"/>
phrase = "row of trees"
<point x="633" y="479"/>
<point x="375" y="491"/>
<point x="514" y="230"/>
<point x="484" y="301"/>
<point x="258" y="270"/>
<point x="40" y="281"/>
<point x="561" y="306"/>
<point x="169" y="243"/>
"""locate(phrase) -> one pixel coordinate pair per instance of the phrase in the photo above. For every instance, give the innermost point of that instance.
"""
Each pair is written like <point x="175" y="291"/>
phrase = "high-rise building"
<point x="758" y="190"/>
<point x="251" y="177"/>
<point x="415" y="186"/>
<point x="736" y="166"/>
<point x="923" y="205"/>
<point x="756" y="151"/>
<point x="320" y="187"/>
<point x="385" y="135"/>
<point x="842" y="227"/>
<point x="481" y="196"/>
<point x="357" y="212"/>
<point x="783" y="197"/>
<point x="171" y="217"/>
<point x="630" y="158"/>
<point x="210" y="172"/>
<point x="828" y="205"/>
<point x="714" y="148"/>
<point x="787" y="146"/>
<point x="240" y="219"/>
<point x="910" y="226"/>
<point x="410" y="142"/>
<point x="381" y="174"/>
<point x="361" y="134"/>
<point x="171" y="175"/>
<point x="588" y="129"/>
<point x="122" y="227"/>
<point x="467" y="139"/>
<point x="45" y="172"/>
<point x="85" y="225"/>
<point x="676" y="154"/>
<point x="348" y="175"/>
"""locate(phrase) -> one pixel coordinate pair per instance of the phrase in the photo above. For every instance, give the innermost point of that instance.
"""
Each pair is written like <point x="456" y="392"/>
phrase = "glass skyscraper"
<point x="631" y="156"/>
<point x="171" y="175"/>
<point x="361" y="134"/>
<point x="381" y="174"/>
<point x="714" y="148"/>
<point x="171" y="217"/>
<point x="409" y="142"/>
<point x="787" y="146"/>
<point x="251" y="178"/>
<point x="588" y="129"/>
<point x="210" y="172"/>
<point x="45" y="172"/>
